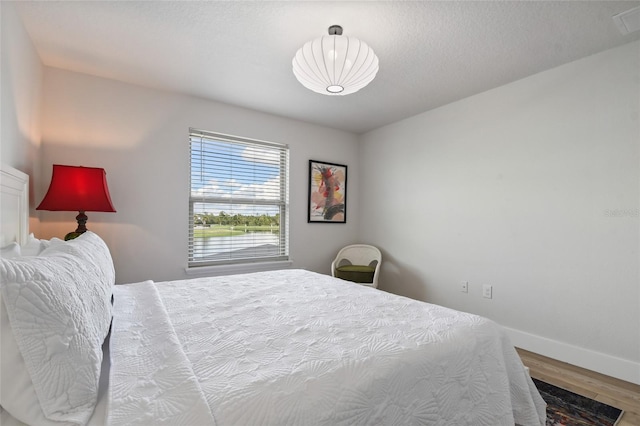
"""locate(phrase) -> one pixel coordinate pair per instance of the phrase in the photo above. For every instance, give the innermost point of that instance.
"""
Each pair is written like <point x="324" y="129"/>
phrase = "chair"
<point x="358" y="263"/>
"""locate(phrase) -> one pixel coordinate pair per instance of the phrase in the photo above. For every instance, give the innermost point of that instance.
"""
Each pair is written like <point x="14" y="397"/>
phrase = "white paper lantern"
<point x="335" y="64"/>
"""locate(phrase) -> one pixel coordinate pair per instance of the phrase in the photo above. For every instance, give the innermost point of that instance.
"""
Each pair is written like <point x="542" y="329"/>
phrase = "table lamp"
<point x="77" y="188"/>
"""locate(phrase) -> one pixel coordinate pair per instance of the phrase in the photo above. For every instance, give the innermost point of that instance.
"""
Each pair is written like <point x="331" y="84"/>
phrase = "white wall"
<point x="140" y="137"/>
<point x="20" y="96"/>
<point x="532" y="188"/>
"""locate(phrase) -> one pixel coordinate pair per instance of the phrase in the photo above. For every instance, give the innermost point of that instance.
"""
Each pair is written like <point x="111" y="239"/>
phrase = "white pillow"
<point x="16" y="389"/>
<point x="59" y="308"/>
<point x="10" y="251"/>
<point x="32" y="247"/>
<point x="35" y="246"/>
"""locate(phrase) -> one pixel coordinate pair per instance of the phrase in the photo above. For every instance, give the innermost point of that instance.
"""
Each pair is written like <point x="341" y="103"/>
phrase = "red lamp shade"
<point x="74" y="188"/>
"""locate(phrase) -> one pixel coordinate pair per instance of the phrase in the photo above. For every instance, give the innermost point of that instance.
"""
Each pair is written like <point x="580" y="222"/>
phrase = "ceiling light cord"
<point x="335" y="30"/>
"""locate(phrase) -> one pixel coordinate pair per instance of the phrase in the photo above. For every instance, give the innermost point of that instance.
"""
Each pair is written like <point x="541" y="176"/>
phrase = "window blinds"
<point x="238" y="204"/>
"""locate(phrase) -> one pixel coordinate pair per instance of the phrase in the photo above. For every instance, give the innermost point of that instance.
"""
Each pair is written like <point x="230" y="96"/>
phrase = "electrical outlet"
<point x="487" y="291"/>
<point x="464" y="286"/>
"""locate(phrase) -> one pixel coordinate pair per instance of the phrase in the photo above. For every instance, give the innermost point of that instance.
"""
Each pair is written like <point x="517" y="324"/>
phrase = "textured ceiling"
<point x="239" y="52"/>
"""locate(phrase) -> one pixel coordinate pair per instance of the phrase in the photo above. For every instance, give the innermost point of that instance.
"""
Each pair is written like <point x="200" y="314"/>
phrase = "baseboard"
<point x="619" y="368"/>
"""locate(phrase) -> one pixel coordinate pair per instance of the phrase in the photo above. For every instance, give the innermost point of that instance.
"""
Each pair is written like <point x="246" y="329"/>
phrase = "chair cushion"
<point x="356" y="273"/>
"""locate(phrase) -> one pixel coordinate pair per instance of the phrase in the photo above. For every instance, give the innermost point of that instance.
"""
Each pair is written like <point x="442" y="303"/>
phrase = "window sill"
<point x="241" y="268"/>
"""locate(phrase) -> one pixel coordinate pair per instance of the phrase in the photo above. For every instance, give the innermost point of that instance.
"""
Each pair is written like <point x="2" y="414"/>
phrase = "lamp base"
<point x="82" y="228"/>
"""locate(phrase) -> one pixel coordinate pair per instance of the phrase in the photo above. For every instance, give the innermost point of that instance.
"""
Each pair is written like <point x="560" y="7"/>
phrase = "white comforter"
<point x="298" y="348"/>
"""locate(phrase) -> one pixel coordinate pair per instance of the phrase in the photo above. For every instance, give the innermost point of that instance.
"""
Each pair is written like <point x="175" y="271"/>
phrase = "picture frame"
<point x="327" y="192"/>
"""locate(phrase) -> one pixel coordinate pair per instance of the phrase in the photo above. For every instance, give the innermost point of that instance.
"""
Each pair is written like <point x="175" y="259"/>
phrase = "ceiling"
<point x="239" y="52"/>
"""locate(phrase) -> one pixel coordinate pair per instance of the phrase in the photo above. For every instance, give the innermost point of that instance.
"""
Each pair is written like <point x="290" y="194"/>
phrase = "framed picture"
<point x="327" y="192"/>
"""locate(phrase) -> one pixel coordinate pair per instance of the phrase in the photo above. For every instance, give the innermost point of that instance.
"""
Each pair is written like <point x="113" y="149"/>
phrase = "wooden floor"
<point x="614" y="392"/>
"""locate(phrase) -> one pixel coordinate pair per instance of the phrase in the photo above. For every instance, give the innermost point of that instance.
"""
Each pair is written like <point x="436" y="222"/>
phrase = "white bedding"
<point x="298" y="348"/>
<point x="151" y="380"/>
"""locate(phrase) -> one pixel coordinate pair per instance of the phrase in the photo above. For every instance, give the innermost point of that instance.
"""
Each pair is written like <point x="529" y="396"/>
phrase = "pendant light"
<point x="335" y="64"/>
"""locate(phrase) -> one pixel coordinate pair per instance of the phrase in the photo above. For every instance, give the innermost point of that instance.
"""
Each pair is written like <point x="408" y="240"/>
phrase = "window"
<point x="238" y="204"/>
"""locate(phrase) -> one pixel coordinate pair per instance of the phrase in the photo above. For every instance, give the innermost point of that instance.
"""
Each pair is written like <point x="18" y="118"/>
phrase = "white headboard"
<point x="14" y="205"/>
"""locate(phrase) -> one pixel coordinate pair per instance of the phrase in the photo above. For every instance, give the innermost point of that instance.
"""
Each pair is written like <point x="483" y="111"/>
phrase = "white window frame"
<point x="255" y="262"/>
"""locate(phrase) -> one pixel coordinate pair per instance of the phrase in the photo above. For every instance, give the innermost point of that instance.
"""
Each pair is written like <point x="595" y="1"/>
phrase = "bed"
<point x="289" y="347"/>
